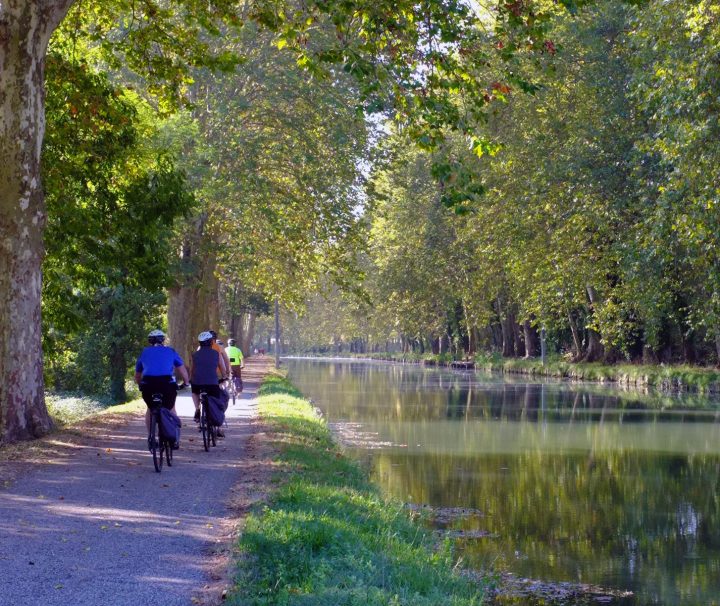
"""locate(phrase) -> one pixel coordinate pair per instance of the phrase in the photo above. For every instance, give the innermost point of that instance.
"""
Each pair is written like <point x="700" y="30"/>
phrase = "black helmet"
<point x="231" y="342"/>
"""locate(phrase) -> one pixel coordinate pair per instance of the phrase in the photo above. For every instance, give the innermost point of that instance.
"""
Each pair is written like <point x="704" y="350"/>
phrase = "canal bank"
<point x="327" y="535"/>
<point x="665" y="378"/>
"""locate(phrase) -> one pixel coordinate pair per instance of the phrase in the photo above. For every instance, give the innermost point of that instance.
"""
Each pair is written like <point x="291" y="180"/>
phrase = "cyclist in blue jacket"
<point x="155" y="372"/>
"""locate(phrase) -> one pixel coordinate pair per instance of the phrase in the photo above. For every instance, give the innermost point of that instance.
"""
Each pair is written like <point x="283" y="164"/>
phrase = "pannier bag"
<point x="170" y="425"/>
<point x="217" y="408"/>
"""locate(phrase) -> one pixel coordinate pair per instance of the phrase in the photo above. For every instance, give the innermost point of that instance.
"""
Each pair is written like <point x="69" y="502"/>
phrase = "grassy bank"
<point x="666" y="378"/>
<point x="69" y="409"/>
<point x="327" y="537"/>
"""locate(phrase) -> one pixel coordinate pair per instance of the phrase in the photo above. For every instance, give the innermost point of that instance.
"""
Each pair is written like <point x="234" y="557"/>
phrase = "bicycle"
<point x="160" y="447"/>
<point x="207" y="429"/>
<point x="232" y="390"/>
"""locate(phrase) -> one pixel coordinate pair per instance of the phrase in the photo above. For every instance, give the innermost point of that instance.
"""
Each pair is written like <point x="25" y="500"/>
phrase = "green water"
<point x="578" y="483"/>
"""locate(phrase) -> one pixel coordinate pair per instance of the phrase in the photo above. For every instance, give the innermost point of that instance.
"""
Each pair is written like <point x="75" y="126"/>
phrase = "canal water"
<point x="567" y="482"/>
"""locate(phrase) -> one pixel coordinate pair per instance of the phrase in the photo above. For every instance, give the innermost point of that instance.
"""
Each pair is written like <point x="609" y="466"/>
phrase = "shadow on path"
<point x="102" y="527"/>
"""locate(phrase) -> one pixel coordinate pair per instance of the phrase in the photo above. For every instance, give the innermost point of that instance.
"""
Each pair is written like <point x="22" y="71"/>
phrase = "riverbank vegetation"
<point x="596" y="219"/>
<point x="327" y="536"/>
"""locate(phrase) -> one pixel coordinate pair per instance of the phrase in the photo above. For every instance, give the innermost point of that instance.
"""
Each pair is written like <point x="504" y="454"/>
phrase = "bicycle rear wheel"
<point x="213" y="433"/>
<point x="204" y="427"/>
<point x="168" y="453"/>
<point x="155" y="447"/>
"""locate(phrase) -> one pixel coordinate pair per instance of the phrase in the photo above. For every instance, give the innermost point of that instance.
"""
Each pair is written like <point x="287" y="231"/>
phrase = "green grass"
<point x="327" y="537"/>
<point x="68" y="409"/>
<point x="667" y="378"/>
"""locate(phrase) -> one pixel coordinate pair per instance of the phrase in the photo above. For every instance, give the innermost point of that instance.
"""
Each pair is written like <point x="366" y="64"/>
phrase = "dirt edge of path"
<point x="224" y="558"/>
<point x="253" y="487"/>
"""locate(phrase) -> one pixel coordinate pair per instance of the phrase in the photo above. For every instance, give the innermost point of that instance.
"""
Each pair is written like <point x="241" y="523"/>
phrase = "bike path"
<point x="102" y="527"/>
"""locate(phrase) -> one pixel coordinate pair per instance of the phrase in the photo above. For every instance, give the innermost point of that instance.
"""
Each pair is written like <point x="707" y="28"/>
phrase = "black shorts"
<point x="164" y="385"/>
<point x="211" y="390"/>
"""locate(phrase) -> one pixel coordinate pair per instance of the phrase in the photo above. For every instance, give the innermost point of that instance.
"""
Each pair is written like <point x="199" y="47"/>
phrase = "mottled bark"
<point x="193" y="306"/>
<point x="25" y="29"/>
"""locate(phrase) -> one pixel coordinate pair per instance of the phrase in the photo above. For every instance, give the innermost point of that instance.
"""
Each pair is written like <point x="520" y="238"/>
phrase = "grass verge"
<point x="327" y="537"/>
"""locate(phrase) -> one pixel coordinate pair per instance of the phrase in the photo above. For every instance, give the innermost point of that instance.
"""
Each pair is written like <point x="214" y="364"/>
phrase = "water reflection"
<point x="575" y="483"/>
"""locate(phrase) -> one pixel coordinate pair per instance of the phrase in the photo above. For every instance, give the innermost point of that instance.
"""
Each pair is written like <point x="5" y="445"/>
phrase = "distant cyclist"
<point x="235" y="355"/>
<point x="206" y="362"/>
<point x="155" y="373"/>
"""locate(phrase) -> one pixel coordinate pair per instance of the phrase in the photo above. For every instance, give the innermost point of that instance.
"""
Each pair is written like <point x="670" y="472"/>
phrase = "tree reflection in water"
<point x="577" y="483"/>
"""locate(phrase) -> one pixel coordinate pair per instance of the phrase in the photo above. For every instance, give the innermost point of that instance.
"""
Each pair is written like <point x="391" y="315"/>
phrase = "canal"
<point x="562" y="481"/>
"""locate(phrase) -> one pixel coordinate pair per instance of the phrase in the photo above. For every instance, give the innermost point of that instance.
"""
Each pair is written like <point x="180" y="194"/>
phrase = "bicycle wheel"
<point x="204" y="427"/>
<point x="233" y="393"/>
<point x="213" y="433"/>
<point x="155" y="447"/>
<point x="168" y="453"/>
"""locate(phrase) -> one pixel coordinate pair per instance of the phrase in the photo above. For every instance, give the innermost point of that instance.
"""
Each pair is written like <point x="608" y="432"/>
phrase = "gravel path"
<point x="102" y="527"/>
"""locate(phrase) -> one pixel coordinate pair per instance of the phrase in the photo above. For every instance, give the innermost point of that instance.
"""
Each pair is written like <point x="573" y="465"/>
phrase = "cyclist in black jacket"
<point x="206" y="362"/>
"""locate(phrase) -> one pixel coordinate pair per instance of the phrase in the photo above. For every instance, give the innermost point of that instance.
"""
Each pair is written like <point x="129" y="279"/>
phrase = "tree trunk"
<point x="595" y="350"/>
<point x="248" y="334"/>
<point x="517" y="339"/>
<point x="192" y="306"/>
<point x="118" y="372"/>
<point x="530" y="338"/>
<point x="508" y="337"/>
<point x="25" y="30"/>
<point x="576" y="337"/>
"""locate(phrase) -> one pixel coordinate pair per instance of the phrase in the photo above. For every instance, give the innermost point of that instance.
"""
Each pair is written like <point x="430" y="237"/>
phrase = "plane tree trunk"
<point x="25" y="30"/>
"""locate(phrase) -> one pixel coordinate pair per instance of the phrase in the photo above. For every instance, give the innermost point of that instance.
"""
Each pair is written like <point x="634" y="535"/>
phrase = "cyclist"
<point x="154" y="373"/>
<point x="203" y="370"/>
<point x="217" y="346"/>
<point x="236" y="362"/>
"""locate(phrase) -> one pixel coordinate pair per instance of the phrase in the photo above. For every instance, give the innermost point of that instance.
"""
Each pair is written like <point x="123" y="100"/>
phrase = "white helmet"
<point x="156" y="336"/>
<point x="204" y="336"/>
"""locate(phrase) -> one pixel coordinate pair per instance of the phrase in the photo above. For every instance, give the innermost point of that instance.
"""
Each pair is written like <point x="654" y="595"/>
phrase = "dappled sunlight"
<point x="101" y="505"/>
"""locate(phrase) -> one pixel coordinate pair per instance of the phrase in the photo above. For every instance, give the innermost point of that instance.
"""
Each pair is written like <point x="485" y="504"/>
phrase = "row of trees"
<point x="253" y="184"/>
<point x="232" y="132"/>
<point x="597" y="217"/>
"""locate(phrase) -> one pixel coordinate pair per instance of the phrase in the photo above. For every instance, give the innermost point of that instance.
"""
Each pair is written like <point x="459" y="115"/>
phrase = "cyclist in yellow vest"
<point x="235" y="355"/>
